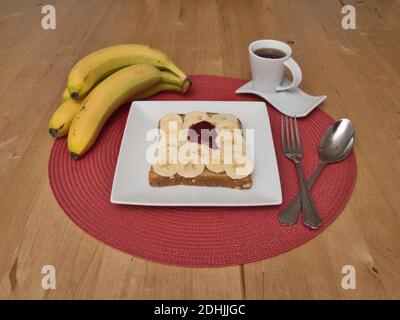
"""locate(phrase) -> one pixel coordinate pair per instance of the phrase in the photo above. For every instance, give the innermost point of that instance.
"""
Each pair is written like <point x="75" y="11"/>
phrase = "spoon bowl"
<point x="337" y="141"/>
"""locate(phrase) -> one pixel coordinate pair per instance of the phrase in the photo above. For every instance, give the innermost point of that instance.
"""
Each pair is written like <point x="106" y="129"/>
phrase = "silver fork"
<point x="293" y="150"/>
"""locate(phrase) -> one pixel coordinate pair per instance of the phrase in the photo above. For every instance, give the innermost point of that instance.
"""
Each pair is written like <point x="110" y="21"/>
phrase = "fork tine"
<point x="283" y="135"/>
<point x="288" y="146"/>
<point x="298" y="138"/>
<point x="292" y="133"/>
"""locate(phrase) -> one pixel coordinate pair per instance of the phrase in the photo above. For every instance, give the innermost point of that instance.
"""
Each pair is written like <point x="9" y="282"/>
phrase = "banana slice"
<point x="233" y="137"/>
<point x="183" y="136"/>
<point x="174" y="117"/>
<point x="191" y="152"/>
<point x="190" y="170"/>
<point x="205" y="153"/>
<point x="166" y="153"/>
<point x="226" y="125"/>
<point x="170" y="138"/>
<point x="198" y="116"/>
<point x="239" y="170"/>
<point x="191" y="159"/>
<point x="188" y="123"/>
<point x="164" y="165"/>
<point x="223" y="117"/>
<point x="170" y="122"/>
<point x="216" y="161"/>
<point x="165" y="170"/>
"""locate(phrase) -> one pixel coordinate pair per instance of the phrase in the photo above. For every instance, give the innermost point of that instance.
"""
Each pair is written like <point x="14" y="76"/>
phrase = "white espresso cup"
<point x="267" y="73"/>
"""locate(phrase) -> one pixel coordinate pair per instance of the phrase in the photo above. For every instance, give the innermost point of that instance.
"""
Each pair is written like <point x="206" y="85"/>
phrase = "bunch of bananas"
<point x="104" y="80"/>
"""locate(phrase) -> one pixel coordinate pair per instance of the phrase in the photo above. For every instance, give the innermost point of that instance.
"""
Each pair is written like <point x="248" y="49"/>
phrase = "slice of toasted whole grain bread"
<point x="207" y="178"/>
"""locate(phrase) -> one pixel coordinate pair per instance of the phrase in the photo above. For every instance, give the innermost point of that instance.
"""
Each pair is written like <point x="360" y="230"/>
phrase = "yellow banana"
<point x="156" y="89"/>
<point x="103" y="100"/>
<point x="62" y="118"/>
<point x="170" y="78"/>
<point x="65" y="95"/>
<point x="100" y="64"/>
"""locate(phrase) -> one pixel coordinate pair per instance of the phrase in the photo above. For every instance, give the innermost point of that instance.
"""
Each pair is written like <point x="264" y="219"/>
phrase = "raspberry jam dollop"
<point x="203" y="132"/>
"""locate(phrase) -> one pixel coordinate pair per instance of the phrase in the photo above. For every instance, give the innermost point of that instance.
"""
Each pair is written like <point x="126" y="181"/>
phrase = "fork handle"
<point x="289" y="215"/>
<point x="310" y="215"/>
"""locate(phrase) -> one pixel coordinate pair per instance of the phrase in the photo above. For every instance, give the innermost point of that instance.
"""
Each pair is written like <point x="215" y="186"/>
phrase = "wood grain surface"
<point x="358" y="69"/>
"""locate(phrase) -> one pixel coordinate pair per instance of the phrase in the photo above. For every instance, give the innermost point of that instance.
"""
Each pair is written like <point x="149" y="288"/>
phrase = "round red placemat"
<point x="196" y="236"/>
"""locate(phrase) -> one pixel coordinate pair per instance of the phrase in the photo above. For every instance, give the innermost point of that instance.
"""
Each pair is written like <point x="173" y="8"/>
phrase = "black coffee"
<point x="269" y="53"/>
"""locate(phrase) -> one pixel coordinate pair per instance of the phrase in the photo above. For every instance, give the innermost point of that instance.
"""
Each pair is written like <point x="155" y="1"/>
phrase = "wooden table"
<point x="358" y="69"/>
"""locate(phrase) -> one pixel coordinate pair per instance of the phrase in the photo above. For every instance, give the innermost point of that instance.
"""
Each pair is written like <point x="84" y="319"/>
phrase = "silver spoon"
<point x="336" y="143"/>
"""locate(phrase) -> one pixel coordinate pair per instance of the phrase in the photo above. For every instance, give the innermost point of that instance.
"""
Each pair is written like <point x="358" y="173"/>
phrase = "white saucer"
<point x="291" y="102"/>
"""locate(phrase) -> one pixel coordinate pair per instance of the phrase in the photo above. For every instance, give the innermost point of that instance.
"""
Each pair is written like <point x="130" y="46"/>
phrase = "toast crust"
<point x="206" y="179"/>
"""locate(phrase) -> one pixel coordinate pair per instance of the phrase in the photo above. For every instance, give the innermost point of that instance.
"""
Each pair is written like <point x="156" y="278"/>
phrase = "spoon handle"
<point x="311" y="217"/>
<point x="290" y="214"/>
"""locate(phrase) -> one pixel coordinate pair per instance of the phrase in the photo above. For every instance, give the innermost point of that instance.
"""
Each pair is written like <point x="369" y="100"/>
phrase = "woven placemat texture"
<point x="201" y="237"/>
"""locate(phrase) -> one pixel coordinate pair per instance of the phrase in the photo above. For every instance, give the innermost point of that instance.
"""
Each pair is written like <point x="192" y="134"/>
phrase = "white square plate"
<point x="131" y="185"/>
